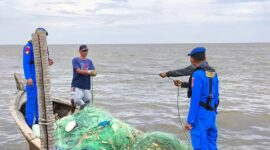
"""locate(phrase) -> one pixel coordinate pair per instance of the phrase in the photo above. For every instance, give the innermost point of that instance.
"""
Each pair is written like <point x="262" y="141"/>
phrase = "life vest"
<point x="210" y="73"/>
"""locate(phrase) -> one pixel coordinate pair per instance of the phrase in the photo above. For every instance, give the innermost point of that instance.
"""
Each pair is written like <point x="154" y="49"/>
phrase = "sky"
<point x="136" y="21"/>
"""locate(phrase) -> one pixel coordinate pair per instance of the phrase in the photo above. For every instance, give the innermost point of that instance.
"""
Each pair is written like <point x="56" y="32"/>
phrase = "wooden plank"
<point x="39" y="77"/>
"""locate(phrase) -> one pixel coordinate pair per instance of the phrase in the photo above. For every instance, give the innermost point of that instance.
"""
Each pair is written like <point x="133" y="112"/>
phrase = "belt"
<point x="207" y="106"/>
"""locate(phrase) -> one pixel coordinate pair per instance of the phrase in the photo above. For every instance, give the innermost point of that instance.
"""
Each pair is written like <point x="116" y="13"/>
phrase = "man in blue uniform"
<point x="31" y="110"/>
<point x="203" y="89"/>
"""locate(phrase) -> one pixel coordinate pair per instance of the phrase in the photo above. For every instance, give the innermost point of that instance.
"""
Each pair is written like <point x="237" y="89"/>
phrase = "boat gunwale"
<point x="14" y="108"/>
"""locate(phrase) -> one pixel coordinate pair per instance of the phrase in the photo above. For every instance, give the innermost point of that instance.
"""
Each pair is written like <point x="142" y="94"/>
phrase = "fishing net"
<point x="159" y="141"/>
<point x="97" y="130"/>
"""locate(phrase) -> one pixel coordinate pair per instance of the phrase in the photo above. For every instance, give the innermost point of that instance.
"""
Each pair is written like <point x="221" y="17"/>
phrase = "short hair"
<point x="199" y="56"/>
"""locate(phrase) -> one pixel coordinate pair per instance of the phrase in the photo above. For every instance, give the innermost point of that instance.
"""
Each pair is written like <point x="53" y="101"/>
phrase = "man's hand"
<point x="50" y="61"/>
<point x="30" y="82"/>
<point x="163" y="74"/>
<point x="188" y="127"/>
<point x="177" y="82"/>
<point x="92" y="72"/>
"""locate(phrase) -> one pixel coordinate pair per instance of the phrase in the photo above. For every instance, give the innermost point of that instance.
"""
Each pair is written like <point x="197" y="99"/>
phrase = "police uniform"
<point x="203" y="90"/>
<point x="31" y="111"/>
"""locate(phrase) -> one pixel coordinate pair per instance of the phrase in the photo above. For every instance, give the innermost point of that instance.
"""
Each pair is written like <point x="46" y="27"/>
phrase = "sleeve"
<point x="48" y="53"/>
<point x="181" y="72"/>
<point x="217" y="90"/>
<point x="91" y="65"/>
<point x="75" y="63"/>
<point x="195" y="98"/>
<point x="184" y="85"/>
<point x="26" y="62"/>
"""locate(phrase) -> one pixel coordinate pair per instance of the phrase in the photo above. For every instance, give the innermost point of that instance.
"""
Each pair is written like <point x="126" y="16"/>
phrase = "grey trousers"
<point x="80" y="96"/>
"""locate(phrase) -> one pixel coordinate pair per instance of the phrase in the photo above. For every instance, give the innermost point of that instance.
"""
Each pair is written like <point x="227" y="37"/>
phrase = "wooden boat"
<point x="61" y="107"/>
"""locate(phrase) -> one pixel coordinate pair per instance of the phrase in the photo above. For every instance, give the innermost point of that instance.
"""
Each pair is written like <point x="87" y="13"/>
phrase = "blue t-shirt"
<point x="79" y="80"/>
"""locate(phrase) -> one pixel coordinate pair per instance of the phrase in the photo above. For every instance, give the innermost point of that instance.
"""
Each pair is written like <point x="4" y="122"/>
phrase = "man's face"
<point x="192" y="61"/>
<point x="84" y="53"/>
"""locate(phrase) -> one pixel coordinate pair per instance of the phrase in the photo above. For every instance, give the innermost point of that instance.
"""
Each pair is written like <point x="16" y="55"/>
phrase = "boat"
<point x="61" y="108"/>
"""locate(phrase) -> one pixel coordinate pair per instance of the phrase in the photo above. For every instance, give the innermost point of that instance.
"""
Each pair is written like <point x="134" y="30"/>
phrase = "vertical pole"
<point x="41" y="105"/>
<point x="39" y="41"/>
<point x="92" y="90"/>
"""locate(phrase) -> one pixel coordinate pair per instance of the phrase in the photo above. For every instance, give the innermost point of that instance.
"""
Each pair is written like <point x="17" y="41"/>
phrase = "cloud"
<point x="122" y="15"/>
<point x="124" y="12"/>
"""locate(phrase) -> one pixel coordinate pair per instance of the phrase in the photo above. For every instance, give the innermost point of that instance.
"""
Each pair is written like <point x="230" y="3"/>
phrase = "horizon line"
<point x="146" y="43"/>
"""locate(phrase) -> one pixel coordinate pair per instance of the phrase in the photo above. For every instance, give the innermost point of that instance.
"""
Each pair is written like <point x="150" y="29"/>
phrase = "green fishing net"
<point x="97" y="130"/>
<point x="159" y="141"/>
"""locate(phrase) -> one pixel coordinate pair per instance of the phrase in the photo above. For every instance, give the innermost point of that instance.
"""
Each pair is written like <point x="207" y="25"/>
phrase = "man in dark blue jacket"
<point x="31" y="110"/>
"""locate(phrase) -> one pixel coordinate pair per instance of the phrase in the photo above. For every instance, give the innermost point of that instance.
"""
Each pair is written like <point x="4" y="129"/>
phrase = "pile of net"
<point x="159" y="141"/>
<point x="96" y="129"/>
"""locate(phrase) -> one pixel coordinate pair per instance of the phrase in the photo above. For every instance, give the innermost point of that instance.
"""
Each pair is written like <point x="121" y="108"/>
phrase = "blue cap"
<point x="197" y="50"/>
<point x="42" y="29"/>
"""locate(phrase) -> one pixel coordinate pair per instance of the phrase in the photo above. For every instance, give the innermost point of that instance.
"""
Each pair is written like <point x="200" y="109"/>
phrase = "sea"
<point x="129" y="87"/>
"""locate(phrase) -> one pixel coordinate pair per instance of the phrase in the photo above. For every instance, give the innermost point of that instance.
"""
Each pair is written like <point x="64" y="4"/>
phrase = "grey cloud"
<point x="67" y="12"/>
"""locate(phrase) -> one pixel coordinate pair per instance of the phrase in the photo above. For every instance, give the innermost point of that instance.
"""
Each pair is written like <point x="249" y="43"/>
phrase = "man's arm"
<point x="184" y="85"/>
<point x="92" y="67"/>
<point x="195" y="98"/>
<point x="217" y="89"/>
<point x="50" y="61"/>
<point x="86" y="72"/>
<point x="180" y="83"/>
<point x="26" y="62"/>
<point x="76" y="65"/>
<point x="181" y="72"/>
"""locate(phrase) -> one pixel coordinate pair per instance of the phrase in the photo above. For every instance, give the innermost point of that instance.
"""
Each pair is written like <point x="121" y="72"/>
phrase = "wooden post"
<point x="46" y="117"/>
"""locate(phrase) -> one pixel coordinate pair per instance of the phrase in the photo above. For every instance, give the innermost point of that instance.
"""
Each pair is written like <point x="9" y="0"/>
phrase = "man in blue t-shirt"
<point x="83" y="68"/>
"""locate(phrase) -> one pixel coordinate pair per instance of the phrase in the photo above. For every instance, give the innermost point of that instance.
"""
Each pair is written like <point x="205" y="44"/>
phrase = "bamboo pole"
<point x="39" y="41"/>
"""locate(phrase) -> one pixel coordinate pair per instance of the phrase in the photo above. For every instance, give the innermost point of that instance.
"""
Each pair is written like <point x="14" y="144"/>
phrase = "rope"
<point x="130" y="73"/>
<point x="179" y="115"/>
<point x="45" y="121"/>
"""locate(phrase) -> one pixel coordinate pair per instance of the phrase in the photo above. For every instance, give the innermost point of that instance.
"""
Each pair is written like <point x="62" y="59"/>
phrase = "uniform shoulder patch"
<point x="27" y="50"/>
<point x="210" y="74"/>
